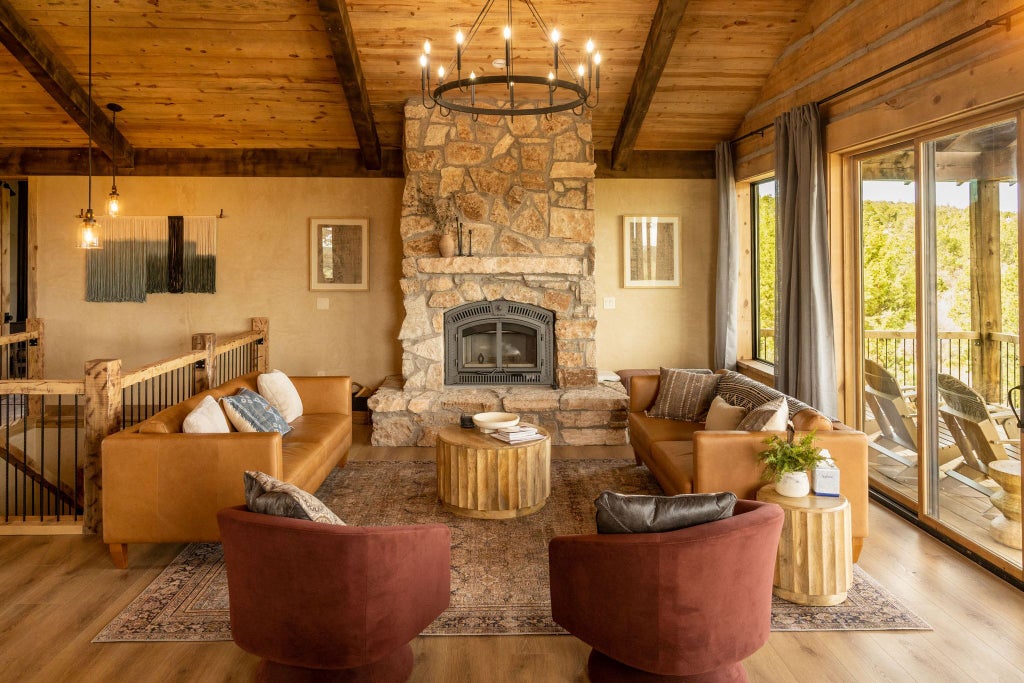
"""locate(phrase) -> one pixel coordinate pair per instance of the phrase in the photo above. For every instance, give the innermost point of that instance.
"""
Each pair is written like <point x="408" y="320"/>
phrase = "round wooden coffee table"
<point x="481" y="476"/>
<point x="815" y="560"/>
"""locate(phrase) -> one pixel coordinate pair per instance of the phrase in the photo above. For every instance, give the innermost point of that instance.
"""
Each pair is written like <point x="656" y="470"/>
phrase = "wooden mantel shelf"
<point x="491" y="265"/>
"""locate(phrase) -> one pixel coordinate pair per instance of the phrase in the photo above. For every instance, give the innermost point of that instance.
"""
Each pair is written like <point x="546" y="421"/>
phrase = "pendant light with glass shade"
<point x="89" y="230"/>
<point x="114" y="199"/>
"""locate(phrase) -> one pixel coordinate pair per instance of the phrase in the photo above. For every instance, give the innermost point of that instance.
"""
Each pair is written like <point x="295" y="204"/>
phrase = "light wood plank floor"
<point x="56" y="593"/>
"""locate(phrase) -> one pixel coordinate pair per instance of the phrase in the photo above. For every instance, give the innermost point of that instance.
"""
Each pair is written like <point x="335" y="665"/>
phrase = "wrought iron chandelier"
<point x="566" y="89"/>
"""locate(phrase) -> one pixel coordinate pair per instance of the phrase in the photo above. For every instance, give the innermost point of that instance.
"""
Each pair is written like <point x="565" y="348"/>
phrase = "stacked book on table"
<point x="518" y="434"/>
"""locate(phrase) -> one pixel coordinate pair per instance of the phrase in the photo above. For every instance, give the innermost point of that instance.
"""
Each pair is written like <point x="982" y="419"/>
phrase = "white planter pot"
<point x="793" y="485"/>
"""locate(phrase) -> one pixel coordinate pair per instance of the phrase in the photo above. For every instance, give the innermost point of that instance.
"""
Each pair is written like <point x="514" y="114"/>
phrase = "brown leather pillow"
<point x="619" y="513"/>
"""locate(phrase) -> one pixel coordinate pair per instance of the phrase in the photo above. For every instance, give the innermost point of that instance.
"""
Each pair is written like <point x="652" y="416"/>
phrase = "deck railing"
<point x="958" y="355"/>
<point x="53" y="429"/>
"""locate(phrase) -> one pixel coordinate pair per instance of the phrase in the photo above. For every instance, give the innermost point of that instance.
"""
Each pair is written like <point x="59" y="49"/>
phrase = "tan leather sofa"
<point x="163" y="486"/>
<point x="686" y="459"/>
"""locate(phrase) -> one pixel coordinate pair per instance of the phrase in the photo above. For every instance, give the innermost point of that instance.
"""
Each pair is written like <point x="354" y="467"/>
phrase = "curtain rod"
<point x="1001" y="20"/>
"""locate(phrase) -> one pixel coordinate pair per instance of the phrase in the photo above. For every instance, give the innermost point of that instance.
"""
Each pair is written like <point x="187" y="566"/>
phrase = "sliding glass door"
<point x="940" y="321"/>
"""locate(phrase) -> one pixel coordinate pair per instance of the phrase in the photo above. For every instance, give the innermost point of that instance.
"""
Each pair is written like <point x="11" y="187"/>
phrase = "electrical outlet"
<point x="323" y="303"/>
<point x="320" y="373"/>
<point x="609" y="302"/>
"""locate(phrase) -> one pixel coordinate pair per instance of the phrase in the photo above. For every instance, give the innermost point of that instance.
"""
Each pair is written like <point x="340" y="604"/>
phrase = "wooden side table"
<point x="1005" y="527"/>
<point x="484" y="477"/>
<point x="815" y="560"/>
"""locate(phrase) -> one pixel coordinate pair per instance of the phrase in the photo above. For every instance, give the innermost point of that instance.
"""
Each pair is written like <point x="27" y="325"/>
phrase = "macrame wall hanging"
<point x="152" y="254"/>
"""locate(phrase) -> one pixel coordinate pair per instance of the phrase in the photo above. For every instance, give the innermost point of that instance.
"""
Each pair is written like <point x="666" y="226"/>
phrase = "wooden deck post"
<point x="986" y="289"/>
<point x="205" y="341"/>
<point x="102" y="418"/>
<point x="262" y="351"/>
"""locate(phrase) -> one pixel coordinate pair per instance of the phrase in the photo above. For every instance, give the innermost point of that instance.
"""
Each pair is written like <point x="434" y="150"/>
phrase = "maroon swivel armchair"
<point x="686" y="605"/>
<point x="340" y="603"/>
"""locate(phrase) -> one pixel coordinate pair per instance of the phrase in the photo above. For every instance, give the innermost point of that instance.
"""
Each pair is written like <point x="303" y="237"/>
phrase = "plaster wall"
<point x="648" y="328"/>
<point x="262" y="270"/>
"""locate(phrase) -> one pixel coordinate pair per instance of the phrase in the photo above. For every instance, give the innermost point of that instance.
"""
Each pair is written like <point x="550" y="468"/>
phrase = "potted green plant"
<point x="786" y="462"/>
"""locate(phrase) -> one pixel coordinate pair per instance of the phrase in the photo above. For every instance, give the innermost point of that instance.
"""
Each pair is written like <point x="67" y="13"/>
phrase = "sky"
<point x="949" y="194"/>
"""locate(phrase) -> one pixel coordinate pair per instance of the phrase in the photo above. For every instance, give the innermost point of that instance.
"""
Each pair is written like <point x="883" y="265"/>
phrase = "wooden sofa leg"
<point x="119" y="554"/>
<point x="858" y="545"/>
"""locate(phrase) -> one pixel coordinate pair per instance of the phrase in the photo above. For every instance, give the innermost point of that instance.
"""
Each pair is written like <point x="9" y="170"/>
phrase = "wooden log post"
<point x="102" y="418"/>
<point x="34" y="362"/>
<point x="204" y="376"/>
<point x="262" y="325"/>
<point x="986" y="289"/>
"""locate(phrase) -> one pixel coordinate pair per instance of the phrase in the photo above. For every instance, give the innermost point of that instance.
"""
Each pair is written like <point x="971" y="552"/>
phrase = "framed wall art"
<point x="651" y="251"/>
<point x="339" y="254"/>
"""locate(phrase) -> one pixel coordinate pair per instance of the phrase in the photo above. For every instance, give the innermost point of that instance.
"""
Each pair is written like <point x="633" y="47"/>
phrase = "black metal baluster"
<point x="42" y="455"/>
<point x="60" y="438"/>
<point x="76" y="492"/>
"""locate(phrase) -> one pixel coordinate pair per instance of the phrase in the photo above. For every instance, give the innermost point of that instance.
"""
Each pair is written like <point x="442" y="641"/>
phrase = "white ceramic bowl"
<point x="488" y="422"/>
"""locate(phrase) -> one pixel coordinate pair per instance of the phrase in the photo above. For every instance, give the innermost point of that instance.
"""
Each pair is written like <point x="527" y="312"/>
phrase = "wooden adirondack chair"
<point x="972" y="426"/>
<point x="892" y="410"/>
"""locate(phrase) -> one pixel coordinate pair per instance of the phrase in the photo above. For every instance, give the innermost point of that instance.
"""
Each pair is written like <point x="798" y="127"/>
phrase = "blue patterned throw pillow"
<point x="250" y="412"/>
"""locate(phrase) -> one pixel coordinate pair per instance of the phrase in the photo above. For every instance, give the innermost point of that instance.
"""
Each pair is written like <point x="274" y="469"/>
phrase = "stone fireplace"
<point x="524" y="186"/>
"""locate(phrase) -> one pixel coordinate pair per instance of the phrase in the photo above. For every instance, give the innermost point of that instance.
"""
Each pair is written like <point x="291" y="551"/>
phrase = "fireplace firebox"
<point x="499" y="342"/>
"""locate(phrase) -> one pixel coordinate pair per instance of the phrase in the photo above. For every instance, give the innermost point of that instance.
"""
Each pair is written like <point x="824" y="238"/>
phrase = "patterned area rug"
<point x="499" y="567"/>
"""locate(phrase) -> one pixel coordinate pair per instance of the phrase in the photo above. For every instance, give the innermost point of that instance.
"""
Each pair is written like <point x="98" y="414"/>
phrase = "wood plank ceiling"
<point x="218" y="85"/>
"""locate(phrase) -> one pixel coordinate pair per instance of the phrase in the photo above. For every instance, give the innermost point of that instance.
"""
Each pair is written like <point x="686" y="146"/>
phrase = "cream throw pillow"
<point x="206" y="418"/>
<point x="280" y="393"/>
<point x="773" y="416"/>
<point x="724" y="417"/>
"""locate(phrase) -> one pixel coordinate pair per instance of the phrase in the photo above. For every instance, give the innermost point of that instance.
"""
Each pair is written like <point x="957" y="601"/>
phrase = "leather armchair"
<point x="322" y="602"/>
<point x="683" y="605"/>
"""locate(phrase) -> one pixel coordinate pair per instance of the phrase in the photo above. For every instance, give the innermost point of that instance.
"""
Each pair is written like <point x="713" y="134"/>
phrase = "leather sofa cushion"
<point x="627" y="514"/>
<point x="644" y="430"/>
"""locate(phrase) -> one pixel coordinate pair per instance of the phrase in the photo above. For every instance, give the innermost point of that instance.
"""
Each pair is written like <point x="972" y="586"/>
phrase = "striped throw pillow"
<point x="740" y="390"/>
<point x="684" y="395"/>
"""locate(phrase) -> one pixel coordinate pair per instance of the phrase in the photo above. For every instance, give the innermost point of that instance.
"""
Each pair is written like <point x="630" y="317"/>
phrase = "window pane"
<point x="975" y="221"/>
<point x="889" y="307"/>
<point x="763" y="214"/>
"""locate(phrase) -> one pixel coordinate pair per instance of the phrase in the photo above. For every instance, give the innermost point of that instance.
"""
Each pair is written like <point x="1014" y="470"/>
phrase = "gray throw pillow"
<point x="618" y="513"/>
<point x="684" y="395"/>
<point x="269" y="496"/>
<point x="771" y="417"/>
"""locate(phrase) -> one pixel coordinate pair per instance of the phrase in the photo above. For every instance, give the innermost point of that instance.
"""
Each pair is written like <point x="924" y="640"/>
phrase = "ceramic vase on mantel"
<point x="446" y="245"/>
<point x="793" y="485"/>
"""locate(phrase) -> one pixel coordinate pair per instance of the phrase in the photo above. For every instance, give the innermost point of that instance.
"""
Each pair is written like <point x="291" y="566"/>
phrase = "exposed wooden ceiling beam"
<point x="60" y="84"/>
<point x="659" y="164"/>
<point x="346" y="58"/>
<point x="298" y="163"/>
<point x="662" y="36"/>
<point x="182" y="162"/>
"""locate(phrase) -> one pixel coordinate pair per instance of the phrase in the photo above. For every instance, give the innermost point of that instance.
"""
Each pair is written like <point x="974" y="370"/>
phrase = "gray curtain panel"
<point x="804" y="338"/>
<point x="728" y="273"/>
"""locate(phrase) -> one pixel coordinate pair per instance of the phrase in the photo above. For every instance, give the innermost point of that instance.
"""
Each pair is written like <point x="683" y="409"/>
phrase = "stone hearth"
<point x="525" y="187"/>
<point x="594" y="416"/>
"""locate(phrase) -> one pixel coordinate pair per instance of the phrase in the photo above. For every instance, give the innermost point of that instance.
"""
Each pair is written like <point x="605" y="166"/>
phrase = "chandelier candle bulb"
<point x="554" y="39"/>
<point x="458" y="53"/>
<point x="472" y="88"/>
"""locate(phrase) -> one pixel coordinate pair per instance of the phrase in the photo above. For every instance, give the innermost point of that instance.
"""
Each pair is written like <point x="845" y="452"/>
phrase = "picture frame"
<point x="651" y="251"/>
<point x="339" y="254"/>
